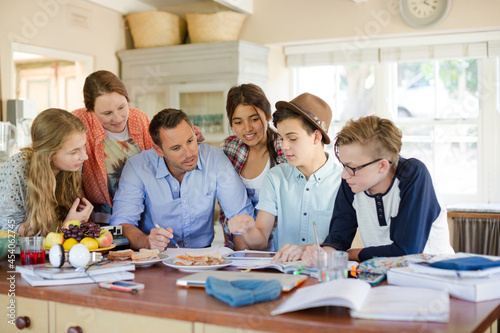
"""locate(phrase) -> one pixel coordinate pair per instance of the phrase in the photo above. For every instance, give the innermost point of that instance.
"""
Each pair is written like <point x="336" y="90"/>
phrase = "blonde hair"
<point x="379" y="137"/>
<point x="50" y="197"/>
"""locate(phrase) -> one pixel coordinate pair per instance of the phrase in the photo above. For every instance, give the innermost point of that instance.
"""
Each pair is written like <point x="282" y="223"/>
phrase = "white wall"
<point x="46" y="23"/>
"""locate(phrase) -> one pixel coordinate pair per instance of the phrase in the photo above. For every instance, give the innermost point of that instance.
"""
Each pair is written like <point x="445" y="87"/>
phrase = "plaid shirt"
<point x="237" y="152"/>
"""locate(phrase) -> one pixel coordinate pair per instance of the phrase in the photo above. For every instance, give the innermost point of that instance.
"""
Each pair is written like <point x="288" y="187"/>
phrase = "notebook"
<point x="288" y="281"/>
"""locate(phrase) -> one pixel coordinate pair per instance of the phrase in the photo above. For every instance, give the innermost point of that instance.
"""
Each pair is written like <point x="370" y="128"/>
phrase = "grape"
<point x="78" y="238"/>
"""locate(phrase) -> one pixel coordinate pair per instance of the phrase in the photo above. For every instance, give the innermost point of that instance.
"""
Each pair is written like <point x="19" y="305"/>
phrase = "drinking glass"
<point x="332" y="265"/>
<point x="32" y="250"/>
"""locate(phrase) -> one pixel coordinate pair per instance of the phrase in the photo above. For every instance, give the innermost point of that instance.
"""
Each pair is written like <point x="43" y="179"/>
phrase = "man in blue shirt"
<point x="300" y="192"/>
<point x="175" y="185"/>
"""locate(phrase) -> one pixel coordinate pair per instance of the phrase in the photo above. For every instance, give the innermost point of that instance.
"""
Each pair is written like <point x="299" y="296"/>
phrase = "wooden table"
<point x="165" y="304"/>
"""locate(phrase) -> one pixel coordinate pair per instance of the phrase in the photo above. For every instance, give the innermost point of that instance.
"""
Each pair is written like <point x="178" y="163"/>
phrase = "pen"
<point x="171" y="239"/>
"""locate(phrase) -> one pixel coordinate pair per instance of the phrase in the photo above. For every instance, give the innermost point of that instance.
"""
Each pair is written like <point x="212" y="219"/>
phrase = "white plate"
<point x="194" y="269"/>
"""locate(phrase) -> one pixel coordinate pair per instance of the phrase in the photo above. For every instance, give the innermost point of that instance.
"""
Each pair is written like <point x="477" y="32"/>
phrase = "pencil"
<point x="316" y="234"/>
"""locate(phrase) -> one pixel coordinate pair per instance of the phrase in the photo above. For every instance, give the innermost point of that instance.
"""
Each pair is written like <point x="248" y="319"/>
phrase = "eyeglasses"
<point x="352" y="171"/>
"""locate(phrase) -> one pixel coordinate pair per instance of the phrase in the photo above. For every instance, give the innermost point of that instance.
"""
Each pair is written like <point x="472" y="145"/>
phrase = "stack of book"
<point x="475" y="285"/>
<point x="48" y="275"/>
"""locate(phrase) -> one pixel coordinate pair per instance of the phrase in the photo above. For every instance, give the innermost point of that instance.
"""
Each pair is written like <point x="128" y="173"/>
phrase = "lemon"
<point x="68" y="243"/>
<point x="90" y="243"/>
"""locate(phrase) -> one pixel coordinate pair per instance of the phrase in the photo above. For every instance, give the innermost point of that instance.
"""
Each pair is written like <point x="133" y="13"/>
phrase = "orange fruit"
<point x="68" y="243"/>
<point x="90" y="243"/>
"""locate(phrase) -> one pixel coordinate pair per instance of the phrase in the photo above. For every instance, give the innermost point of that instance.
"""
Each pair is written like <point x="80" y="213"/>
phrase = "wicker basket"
<point x="153" y="29"/>
<point x="221" y="26"/>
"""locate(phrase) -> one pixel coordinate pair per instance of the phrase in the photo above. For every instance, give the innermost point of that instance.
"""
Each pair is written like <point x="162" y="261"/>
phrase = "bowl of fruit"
<point x="75" y="232"/>
<point x="8" y="241"/>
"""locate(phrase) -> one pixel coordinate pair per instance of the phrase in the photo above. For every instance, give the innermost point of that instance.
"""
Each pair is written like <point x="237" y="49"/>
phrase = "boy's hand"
<point x="354" y="254"/>
<point x="310" y="256"/>
<point x="289" y="252"/>
<point x="240" y="224"/>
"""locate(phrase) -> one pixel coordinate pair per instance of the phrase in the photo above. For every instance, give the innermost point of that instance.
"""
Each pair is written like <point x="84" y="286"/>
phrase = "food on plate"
<point x="146" y="254"/>
<point x="105" y="238"/>
<point x="90" y="243"/>
<point x="79" y="230"/>
<point x="71" y="222"/>
<point x="142" y="255"/>
<point x="204" y="258"/>
<point x="120" y="255"/>
<point x="69" y="243"/>
<point x="52" y="239"/>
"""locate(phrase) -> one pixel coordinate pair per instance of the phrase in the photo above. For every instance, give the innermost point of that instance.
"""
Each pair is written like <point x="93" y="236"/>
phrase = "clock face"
<point x="423" y="14"/>
<point x="424" y="8"/>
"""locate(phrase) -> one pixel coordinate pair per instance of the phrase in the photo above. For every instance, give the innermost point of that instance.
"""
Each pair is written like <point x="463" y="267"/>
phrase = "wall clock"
<point x="423" y="14"/>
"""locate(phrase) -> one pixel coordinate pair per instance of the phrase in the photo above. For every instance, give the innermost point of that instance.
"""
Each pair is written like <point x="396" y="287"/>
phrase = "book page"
<point x="349" y="293"/>
<point x="405" y="303"/>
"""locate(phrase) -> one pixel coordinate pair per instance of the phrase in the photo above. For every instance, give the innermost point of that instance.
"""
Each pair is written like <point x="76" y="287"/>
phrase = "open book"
<point x="385" y="303"/>
<point x="285" y="267"/>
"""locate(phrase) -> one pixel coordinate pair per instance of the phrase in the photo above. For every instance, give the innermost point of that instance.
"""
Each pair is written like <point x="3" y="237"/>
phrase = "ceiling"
<point x="176" y="6"/>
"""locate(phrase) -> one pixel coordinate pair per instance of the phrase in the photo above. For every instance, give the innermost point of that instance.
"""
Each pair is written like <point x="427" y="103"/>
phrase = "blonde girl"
<point x="41" y="185"/>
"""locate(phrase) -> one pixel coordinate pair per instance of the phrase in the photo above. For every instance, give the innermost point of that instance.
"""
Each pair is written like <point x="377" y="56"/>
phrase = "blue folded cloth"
<point x="243" y="292"/>
<point x="466" y="264"/>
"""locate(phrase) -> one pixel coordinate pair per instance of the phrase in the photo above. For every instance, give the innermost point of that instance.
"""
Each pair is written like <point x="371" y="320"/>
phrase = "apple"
<point x="105" y="238"/>
<point x="67" y="223"/>
<point x="53" y="238"/>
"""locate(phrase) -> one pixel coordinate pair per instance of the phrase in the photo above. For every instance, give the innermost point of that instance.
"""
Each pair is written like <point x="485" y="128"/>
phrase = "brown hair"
<point x="285" y="113"/>
<point x="50" y="197"/>
<point x="167" y="118"/>
<point x="379" y="136"/>
<point x="252" y="95"/>
<point x="101" y="83"/>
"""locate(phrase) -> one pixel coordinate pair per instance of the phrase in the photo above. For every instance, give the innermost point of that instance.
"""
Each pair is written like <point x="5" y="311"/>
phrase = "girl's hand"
<point x="80" y="210"/>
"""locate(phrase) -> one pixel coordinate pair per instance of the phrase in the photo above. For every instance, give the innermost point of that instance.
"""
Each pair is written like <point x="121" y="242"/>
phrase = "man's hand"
<point x="159" y="238"/>
<point x="289" y="252"/>
<point x="240" y="224"/>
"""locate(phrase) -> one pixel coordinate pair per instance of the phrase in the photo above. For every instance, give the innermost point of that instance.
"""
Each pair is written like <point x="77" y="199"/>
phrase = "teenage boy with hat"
<point x="300" y="192"/>
<point x="389" y="198"/>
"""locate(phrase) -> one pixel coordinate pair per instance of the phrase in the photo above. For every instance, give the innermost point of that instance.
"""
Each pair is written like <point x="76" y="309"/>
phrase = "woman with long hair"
<point x="254" y="148"/>
<point x="41" y="186"/>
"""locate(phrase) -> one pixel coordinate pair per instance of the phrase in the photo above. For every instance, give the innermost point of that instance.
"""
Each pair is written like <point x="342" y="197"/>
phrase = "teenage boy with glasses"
<point x="389" y="198"/>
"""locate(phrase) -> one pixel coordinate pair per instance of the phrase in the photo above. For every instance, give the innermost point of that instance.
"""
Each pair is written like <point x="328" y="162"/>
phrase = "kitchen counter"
<point x="164" y="304"/>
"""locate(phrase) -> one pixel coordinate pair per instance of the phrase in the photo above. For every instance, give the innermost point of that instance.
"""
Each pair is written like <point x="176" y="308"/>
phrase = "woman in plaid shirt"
<point x="254" y="148"/>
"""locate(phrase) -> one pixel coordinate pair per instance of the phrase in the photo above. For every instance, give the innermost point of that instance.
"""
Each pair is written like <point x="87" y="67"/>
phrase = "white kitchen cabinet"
<point x="194" y="78"/>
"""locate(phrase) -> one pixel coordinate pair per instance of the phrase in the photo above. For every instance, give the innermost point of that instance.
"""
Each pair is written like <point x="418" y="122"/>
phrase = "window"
<point x="440" y="96"/>
<point x="438" y="110"/>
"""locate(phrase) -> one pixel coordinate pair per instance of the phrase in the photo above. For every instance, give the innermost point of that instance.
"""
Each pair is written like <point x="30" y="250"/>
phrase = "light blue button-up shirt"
<point x="149" y="193"/>
<point x="298" y="202"/>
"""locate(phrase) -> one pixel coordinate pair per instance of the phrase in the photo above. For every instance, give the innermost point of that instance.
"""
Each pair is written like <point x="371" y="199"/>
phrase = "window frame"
<point x="488" y="120"/>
